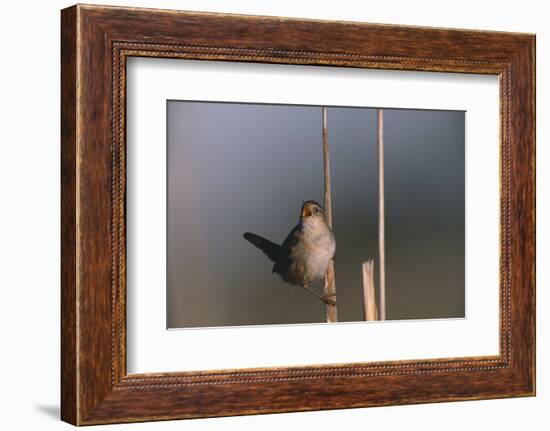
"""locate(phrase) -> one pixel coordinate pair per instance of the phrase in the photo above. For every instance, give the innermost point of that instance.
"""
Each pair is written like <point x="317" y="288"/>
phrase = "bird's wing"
<point x="292" y="238"/>
<point x="271" y="250"/>
<point x="286" y="250"/>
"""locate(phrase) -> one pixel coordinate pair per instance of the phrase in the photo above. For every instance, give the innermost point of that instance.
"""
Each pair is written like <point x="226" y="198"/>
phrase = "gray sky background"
<point x="234" y="168"/>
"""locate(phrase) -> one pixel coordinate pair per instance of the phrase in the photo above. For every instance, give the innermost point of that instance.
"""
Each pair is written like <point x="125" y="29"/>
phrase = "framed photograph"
<point x="263" y="214"/>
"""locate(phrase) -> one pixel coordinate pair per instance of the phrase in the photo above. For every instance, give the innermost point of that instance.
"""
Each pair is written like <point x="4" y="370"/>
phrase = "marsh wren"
<point x="305" y="254"/>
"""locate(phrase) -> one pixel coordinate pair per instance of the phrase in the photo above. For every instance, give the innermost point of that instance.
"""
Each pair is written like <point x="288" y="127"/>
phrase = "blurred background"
<point x="234" y="168"/>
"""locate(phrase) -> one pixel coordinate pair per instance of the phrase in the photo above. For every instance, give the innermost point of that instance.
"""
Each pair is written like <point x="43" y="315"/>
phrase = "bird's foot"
<point x="326" y="299"/>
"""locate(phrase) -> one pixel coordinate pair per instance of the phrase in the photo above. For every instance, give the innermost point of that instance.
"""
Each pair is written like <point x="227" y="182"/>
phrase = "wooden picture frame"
<point x="95" y="43"/>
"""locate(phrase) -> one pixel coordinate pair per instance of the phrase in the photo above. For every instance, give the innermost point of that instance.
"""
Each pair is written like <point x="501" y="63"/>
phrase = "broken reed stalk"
<point x="381" y="233"/>
<point x="330" y="285"/>
<point x="369" y="292"/>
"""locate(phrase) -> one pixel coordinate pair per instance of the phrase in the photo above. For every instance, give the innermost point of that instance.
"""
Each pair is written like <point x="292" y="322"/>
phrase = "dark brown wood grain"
<point x="95" y="42"/>
<point x="68" y="216"/>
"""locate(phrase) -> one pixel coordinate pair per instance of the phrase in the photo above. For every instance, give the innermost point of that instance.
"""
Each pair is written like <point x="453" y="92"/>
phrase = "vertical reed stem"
<point x="330" y="285"/>
<point x="381" y="233"/>
<point x="369" y="296"/>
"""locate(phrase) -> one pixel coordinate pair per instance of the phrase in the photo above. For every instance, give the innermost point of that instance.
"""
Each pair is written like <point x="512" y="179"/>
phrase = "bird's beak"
<point x="306" y="211"/>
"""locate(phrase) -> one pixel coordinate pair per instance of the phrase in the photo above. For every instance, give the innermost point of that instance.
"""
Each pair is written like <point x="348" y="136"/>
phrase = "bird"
<point x="304" y="256"/>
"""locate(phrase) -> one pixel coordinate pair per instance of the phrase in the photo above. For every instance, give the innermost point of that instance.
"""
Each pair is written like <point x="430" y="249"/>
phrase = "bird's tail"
<point x="270" y="249"/>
